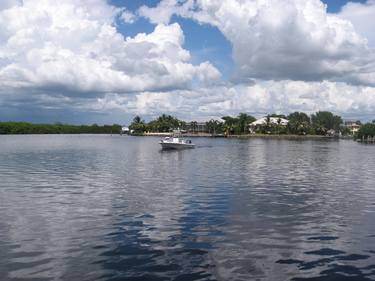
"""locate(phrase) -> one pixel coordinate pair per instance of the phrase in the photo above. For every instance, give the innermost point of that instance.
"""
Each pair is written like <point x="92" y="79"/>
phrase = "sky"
<point x="97" y="61"/>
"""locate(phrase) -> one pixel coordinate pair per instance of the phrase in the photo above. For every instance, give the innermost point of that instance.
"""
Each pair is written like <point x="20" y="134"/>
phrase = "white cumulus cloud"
<point x="289" y="39"/>
<point x="290" y="55"/>
<point x="362" y="16"/>
<point x="128" y="16"/>
<point x="258" y="99"/>
<point x="75" y="47"/>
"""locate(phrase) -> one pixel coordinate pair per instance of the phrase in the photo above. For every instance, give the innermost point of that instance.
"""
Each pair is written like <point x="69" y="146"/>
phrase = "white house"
<point x="353" y="126"/>
<point x="263" y="121"/>
<point x="272" y="120"/>
<point x="125" y="130"/>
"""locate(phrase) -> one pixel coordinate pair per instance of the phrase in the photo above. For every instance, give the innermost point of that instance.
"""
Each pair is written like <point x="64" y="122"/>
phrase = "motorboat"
<point x="176" y="142"/>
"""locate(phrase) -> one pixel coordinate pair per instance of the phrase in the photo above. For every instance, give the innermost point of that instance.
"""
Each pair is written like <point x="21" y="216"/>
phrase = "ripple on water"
<point x="117" y="208"/>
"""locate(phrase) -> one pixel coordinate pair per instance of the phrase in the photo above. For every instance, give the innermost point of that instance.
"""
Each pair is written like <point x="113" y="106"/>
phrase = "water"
<point x="117" y="208"/>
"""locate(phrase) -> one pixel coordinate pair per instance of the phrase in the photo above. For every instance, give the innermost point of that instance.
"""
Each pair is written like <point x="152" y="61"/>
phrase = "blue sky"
<point x="334" y="6"/>
<point x="88" y="62"/>
<point x="205" y="42"/>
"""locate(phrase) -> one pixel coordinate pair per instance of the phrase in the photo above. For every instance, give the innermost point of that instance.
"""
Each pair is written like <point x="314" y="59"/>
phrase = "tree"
<point x="165" y="123"/>
<point x="214" y="127"/>
<point x="323" y="121"/>
<point x="194" y="126"/>
<point x="278" y="126"/>
<point x="367" y="130"/>
<point x="229" y="124"/>
<point x="299" y="123"/>
<point x="138" y="125"/>
<point x="57" y="128"/>
<point x="237" y="125"/>
<point x="137" y="120"/>
<point x="267" y="128"/>
<point x="243" y="122"/>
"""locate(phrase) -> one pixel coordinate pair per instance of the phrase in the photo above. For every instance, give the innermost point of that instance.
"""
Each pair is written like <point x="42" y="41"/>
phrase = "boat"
<point x="176" y="141"/>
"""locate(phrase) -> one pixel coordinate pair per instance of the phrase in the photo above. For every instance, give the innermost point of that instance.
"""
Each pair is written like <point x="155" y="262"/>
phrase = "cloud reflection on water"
<point x="105" y="208"/>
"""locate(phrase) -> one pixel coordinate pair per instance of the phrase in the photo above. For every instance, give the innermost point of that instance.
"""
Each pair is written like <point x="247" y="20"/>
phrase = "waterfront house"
<point x="333" y="133"/>
<point x="196" y="127"/>
<point x="125" y="130"/>
<point x="353" y="126"/>
<point x="267" y="121"/>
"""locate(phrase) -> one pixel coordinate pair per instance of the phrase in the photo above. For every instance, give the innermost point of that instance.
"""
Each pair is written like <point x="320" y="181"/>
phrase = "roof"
<point x="351" y="122"/>
<point x="272" y="120"/>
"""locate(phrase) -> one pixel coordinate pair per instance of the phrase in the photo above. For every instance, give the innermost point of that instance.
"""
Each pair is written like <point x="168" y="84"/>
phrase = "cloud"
<point x="127" y="16"/>
<point x="277" y="40"/>
<point x="73" y="47"/>
<point x="260" y="98"/>
<point x="362" y="16"/>
<point x="6" y="4"/>
<point x="162" y="13"/>
<point x="68" y="56"/>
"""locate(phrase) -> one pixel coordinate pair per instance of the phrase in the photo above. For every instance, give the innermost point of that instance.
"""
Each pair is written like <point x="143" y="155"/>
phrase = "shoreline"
<point x="285" y="137"/>
<point x="247" y="136"/>
<point x="204" y="135"/>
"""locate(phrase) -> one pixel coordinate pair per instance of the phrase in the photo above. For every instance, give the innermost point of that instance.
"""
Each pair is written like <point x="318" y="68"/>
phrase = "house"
<point x="353" y="126"/>
<point x="125" y="130"/>
<point x="266" y="121"/>
<point x="332" y="133"/>
<point x="196" y="127"/>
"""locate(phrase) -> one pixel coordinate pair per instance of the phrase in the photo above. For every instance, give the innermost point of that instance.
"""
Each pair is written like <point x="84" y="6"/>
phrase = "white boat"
<point x="176" y="142"/>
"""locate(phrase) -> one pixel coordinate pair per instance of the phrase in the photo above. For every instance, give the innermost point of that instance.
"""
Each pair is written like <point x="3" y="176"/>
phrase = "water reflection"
<point x="117" y="208"/>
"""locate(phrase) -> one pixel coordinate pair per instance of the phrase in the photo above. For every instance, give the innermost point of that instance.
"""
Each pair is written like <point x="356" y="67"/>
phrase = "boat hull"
<point x="166" y="145"/>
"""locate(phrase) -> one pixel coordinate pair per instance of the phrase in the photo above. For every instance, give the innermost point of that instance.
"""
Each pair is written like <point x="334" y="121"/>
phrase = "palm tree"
<point x="212" y="126"/>
<point x="278" y="125"/>
<point x="229" y="124"/>
<point x="299" y="123"/>
<point x="244" y="120"/>
<point x="227" y="129"/>
<point x="137" y="120"/>
<point x="268" y="124"/>
<point x="138" y="125"/>
<point x="194" y="125"/>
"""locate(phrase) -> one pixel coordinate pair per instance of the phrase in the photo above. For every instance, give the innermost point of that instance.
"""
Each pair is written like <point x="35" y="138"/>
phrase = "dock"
<point x="368" y="139"/>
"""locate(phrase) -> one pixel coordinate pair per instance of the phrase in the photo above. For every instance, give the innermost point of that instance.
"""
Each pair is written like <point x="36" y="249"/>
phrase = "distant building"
<point x="196" y="127"/>
<point x="267" y="121"/>
<point x="332" y="133"/>
<point x="353" y="126"/>
<point x="125" y="130"/>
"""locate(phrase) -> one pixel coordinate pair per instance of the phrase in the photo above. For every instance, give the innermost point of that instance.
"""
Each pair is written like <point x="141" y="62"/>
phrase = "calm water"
<point x="117" y="208"/>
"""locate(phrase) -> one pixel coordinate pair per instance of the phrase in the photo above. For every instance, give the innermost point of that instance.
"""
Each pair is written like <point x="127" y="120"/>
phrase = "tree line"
<point x="17" y="128"/>
<point x="319" y="123"/>
<point x="366" y="131"/>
